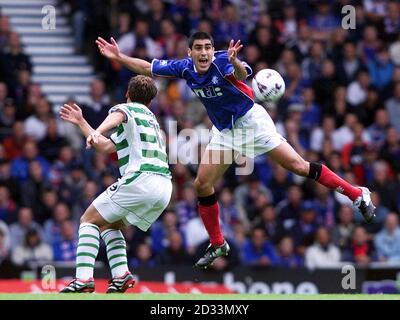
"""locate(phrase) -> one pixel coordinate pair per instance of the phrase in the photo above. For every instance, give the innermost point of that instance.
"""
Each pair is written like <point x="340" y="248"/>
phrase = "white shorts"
<point x="253" y="134"/>
<point x="137" y="199"/>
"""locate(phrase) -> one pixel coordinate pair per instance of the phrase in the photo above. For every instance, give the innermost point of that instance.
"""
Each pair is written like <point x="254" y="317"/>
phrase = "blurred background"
<point x="341" y="107"/>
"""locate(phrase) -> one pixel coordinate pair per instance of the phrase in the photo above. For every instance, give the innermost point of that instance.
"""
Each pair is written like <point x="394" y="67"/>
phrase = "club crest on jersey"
<point x="214" y="80"/>
<point x="163" y="62"/>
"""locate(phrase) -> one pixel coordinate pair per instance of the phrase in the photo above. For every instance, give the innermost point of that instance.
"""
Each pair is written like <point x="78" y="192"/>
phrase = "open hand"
<point x="233" y="50"/>
<point x="71" y="113"/>
<point x="109" y="50"/>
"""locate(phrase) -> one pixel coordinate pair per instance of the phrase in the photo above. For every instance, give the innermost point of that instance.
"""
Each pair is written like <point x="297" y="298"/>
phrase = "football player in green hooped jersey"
<point x="140" y="195"/>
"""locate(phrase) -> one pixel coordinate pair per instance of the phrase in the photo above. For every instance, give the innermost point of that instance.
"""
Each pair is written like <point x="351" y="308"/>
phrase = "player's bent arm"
<point x="104" y="145"/>
<point x="240" y="70"/>
<point x="114" y="119"/>
<point x="138" y="66"/>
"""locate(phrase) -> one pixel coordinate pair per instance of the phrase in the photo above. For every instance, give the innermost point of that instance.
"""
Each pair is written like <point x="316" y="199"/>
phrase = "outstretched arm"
<point x="240" y="70"/>
<point x="73" y="114"/>
<point x="111" y="51"/>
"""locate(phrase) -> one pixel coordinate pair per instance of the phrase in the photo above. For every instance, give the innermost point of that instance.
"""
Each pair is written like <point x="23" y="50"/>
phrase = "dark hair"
<point x="142" y="89"/>
<point x="200" y="36"/>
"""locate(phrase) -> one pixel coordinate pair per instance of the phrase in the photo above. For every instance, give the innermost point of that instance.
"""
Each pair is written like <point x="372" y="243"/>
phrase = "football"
<point x="268" y="85"/>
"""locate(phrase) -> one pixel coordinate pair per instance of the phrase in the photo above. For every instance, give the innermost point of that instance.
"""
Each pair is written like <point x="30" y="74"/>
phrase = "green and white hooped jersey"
<point x="139" y="143"/>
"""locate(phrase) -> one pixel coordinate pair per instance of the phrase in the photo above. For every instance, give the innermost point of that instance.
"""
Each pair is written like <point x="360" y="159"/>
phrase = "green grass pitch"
<point x="166" y="296"/>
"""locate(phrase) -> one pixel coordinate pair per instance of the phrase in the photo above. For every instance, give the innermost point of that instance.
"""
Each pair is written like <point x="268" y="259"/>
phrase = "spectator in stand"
<point x="357" y="89"/>
<point x="385" y="186"/>
<point x="71" y="189"/>
<point x="343" y="230"/>
<point x="380" y="68"/>
<point x="323" y="22"/>
<point x="186" y="208"/>
<point x="280" y="181"/>
<point x="32" y="189"/>
<point x="350" y="64"/>
<point x="4" y="241"/>
<point x="353" y="155"/>
<point x="391" y="150"/>
<point x="4" y="33"/>
<point x="32" y="251"/>
<point x="319" y="134"/>
<point x="370" y="43"/>
<point x="287" y="257"/>
<point x="36" y="124"/>
<point x="168" y="39"/>
<point x="361" y="250"/>
<point x="289" y="210"/>
<point x="64" y="248"/>
<point x="19" y="229"/>
<point x="304" y="229"/>
<point x="246" y="194"/>
<point x="230" y="213"/>
<point x="156" y="15"/>
<point x="52" y="143"/>
<point x="258" y="251"/>
<point x="143" y="257"/>
<point x="16" y="59"/>
<point x="52" y="227"/>
<point x="20" y="165"/>
<point x="392" y="106"/>
<point x="160" y="230"/>
<point x="174" y="253"/>
<point x="14" y="143"/>
<point x="377" y="130"/>
<point x="387" y="241"/>
<point x="323" y="253"/>
<point x="312" y="65"/>
<point x="272" y="226"/>
<point x="8" y="207"/>
<point x="229" y="27"/>
<point x="97" y="109"/>
<point x="391" y="21"/>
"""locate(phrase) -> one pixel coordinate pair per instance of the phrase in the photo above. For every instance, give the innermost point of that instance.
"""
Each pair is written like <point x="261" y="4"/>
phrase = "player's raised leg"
<point x="122" y="279"/>
<point x="88" y="248"/>
<point x="212" y="167"/>
<point x="288" y="158"/>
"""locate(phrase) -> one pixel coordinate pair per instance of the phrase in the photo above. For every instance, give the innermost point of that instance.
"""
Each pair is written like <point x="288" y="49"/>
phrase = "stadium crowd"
<point x="341" y="107"/>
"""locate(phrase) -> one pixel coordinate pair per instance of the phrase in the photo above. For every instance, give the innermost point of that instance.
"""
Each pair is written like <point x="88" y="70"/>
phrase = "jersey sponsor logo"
<point x="208" y="92"/>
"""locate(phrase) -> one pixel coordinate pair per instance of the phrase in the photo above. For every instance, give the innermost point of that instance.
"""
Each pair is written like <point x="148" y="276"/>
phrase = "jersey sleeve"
<point x="122" y="108"/>
<point x="113" y="137"/>
<point x="226" y="67"/>
<point x="168" y="68"/>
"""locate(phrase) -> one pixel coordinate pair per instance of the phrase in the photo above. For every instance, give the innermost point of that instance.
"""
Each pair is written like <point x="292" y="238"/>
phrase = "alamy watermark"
<point x="349" y="280"/>
<point x="49" y="19"/>
<point x="349" y="20"/>
<point x="49" y="277"/>
<point x="227" y="147"/>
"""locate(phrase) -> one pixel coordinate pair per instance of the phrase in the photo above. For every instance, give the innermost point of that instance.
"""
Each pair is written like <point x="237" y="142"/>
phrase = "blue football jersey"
<point x="225" y="98"/>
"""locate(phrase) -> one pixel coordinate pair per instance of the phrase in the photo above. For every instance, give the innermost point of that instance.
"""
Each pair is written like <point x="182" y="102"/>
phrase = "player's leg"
<point x="114" y="240"/>
<point x="213" y="165"/>
<point x="288" y="158"/>
<point x="88" y="248"/>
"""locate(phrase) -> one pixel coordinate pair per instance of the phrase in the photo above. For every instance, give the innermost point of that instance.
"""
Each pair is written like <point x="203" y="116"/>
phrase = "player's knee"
<point x="299" y="167"/>
<point x="85" y="218"/>
<point x="202" y="186"/>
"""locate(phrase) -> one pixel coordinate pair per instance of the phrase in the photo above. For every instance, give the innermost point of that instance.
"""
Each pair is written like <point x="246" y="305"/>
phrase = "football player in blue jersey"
<point x="217" y="78"/>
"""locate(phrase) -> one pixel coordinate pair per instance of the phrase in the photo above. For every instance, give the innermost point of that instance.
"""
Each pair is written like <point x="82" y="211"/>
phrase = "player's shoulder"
<point x="185" y="62"/>
<point x="220" y="56"/>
